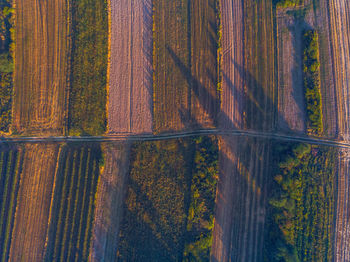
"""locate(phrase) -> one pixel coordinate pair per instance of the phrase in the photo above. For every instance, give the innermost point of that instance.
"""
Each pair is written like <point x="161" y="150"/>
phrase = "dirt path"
<point x="340" y="37"/>
<point x="40" y="82"/>
<point x="34" y="199"/>
<point x="231" y="115"/>
<point x="130" y="70"/>
<point x="109" y="202"/>
<point x="241" y="200"/>
<point x="291" y="103"/>
<point x="342" y="231"/>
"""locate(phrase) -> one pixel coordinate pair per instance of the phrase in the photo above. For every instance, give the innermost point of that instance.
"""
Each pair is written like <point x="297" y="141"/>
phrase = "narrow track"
<point x="152" y="137"/>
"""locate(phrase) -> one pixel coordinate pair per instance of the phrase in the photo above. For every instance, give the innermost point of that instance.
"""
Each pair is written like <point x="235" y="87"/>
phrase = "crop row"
<point x="73" y="205"/>
<point x="10" y="168"/>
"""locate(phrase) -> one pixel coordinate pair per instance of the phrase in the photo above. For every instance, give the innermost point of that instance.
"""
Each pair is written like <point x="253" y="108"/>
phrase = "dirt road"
<point x="33" y="204"/>
<point x="40" y="82"/>
<point x="241" y="200"/>
<point x="109" y="202"/>
<point x="130" y="71"/>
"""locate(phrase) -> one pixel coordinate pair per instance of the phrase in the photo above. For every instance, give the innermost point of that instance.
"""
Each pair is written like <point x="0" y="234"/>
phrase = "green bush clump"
<point x="312" y="91"/>
<point x="288" y="3"/>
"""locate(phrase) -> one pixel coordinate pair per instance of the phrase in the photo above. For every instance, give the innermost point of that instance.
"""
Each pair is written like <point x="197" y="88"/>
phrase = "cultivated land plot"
<point x="130" y="97"/>
<point x="291" y="101"/>
<point x="339" y="21"/>
<point x="241" y="200"/>
<point x="33" y="202"/>
<point x="73" y="203"/>
<point x="11" y="158"/>
<point x="232" y="97"/>
<point x="185" y="64"/>
<point x="111" y="190"/>
<point x="204" y="63"/>
<point x="40" y="81"/>
<point x="155" y="208"/>
<point x="248" y="69"/>
<point x="342" y="227"/>
<point x="171" y="60"/>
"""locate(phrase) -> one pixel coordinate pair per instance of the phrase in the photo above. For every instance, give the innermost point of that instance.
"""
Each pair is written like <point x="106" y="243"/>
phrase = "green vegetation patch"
<point x="200" y="220"/>
<point x="288" y="3"/>
<point x="312" y="89"/>
<point x="11" y="160"/>
<point x="6" y="62"/>
<point x="87" y="101"/>
<point x="72" y="210"/>
<point x="301" y="205"/>
<point x="168" y="214"/>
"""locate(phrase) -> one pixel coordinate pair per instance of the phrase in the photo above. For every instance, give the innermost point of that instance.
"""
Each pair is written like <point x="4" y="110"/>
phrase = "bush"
<point x="312" y="90"/>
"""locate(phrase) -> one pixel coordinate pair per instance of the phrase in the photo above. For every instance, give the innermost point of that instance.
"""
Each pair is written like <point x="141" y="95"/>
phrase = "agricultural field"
<point x="241" y="199"/>
<point x="73" y="203"/>
<point x="169" y="204"/>
<point x="34" y="201"/>
<point x="342" y="227"/>
<point x="130" y="90"/>
<point x="41" y="67"/>
<point x="292" y="22"/>
<point x="185" y="63"/>
<point x="248" y="65"/>
<point x="110" y="196"/>
<point x="11" y="158"/>
<point x="340" y="42"/>
<point x="88" y="71"/>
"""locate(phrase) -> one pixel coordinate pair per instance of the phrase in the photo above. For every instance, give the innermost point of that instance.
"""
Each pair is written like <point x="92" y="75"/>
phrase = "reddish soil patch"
<point x="130" y="70"/>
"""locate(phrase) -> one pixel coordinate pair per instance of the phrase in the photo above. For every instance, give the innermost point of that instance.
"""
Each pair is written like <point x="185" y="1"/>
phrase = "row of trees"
<point x="312" y="91"/>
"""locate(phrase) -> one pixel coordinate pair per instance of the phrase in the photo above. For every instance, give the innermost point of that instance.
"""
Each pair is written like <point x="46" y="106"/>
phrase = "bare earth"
<point x="231" y="115"/>
<point x="241" y="200"/>
<point x="130" y="99"/>
<point x="342" y="231"/>
<point x="340" y="36"/>
<point x="40" y="83"/>
<point x="291" y="103"/>
<point x="109" y="202"/>
<point x="34" y="200"/>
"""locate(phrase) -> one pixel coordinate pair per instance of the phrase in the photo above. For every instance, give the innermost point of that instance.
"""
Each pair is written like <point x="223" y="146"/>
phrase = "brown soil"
<point x="204" y="97"/>
<point x="33" y="204"/>
<point x="241" y="200"/>
<point x="232" y="98"/>
<point x="342" y="231"/>
<point x="109" y="202"/>
<point x="40" y="82"/>
<point x="291" y="103"/>
<point x="340" y="38"/>
<point x="130" y="70"/>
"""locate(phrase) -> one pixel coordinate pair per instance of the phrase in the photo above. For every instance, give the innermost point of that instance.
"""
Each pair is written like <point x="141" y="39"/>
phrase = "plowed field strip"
<point x="130" y="70"/>
<point x="40" y="81"/>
